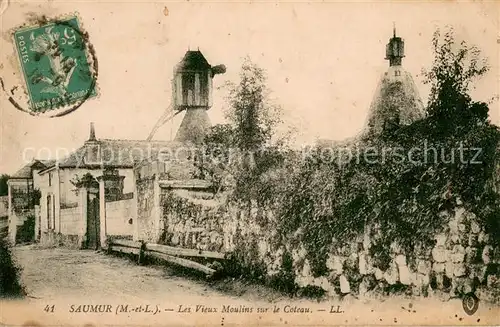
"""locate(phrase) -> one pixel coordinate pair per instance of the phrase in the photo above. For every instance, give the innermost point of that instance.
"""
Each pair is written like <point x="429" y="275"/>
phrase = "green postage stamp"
<point x="56" y="63"/>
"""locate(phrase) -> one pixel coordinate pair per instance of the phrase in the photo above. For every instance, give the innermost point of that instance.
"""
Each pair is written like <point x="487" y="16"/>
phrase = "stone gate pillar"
<point x="102" y="212"/>
<point x="83" y="205"/>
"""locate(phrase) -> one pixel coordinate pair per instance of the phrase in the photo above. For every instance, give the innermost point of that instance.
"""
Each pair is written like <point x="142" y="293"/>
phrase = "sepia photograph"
<point x="218" y="163"/>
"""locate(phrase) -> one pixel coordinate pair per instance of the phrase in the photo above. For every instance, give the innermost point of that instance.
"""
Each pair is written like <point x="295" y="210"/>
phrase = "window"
<point x="397" y="73"/>
<point x="50" y="179"/>
<point x="93" y="154"/>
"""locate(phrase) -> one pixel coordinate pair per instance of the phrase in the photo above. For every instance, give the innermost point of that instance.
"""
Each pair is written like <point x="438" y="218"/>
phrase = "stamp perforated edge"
<point x="20" y="78"/>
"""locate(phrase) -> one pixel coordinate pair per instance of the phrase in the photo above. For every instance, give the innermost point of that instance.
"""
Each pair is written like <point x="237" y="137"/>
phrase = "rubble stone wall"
<point x="462" y="260"/>
<point x="192" y="220"/>
<point x="145" y="206"/>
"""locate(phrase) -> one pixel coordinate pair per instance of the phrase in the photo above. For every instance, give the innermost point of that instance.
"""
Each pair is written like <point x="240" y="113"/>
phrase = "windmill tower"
<point x="191" y="92"/>
<point x="396" y="100"/>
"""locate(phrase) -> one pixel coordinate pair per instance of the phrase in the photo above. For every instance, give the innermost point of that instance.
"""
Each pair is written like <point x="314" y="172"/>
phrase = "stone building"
<point x="23" y="199"/>
<point x="396" y="100"/>
<point x="62" y="208"/>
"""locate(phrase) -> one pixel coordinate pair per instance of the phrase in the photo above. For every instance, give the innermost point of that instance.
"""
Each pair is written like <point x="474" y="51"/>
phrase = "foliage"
<point x="26" y="233"/>
<point x="323" y="199"/>
<point x="9" y="274"/>
<point x="4" y="189"/>
<point x="405" y="201"/>
<point x="36" y="196"/>
<point x="86" y="180"/>
<point x="285" y="279"/>
<point x="240" y="154"/>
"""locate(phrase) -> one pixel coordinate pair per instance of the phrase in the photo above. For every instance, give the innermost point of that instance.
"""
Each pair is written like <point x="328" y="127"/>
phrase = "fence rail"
<point x="167" y="253"/>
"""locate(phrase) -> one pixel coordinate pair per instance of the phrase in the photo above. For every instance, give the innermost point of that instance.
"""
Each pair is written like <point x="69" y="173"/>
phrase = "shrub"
<point x="26" y="232"/>
<point x="10" y="287"/>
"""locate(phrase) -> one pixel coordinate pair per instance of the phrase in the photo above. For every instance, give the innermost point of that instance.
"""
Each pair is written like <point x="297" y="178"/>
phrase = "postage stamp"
<point x="55" y="64"/>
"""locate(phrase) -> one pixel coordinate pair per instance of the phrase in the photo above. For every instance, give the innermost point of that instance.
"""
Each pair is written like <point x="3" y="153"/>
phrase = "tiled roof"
<point x="26" y="171"/>
<point x="116" y="153"/>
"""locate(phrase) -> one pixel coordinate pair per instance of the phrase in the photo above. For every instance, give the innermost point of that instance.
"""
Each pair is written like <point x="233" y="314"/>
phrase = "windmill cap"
<point x="193" y="60"/>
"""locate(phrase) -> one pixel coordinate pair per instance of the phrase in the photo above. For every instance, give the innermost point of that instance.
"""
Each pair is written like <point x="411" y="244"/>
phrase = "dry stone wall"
<point x="462" y="260"/>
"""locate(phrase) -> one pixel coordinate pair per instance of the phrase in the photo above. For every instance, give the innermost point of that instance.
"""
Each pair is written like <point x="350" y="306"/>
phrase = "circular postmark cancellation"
<point x="470" y="303"/>
<point x="58" y="65"/>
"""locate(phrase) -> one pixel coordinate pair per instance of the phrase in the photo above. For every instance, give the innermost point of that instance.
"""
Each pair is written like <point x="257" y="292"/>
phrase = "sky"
<point x="323" y="62"/>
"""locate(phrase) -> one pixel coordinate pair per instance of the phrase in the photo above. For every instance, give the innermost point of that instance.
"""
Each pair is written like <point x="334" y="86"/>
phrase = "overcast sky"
<point x="323" y="62"/>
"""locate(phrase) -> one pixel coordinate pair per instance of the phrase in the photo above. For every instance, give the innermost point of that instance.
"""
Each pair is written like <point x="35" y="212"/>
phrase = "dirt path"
<point x="50" y="274"/>
<point x="68" y="279"/>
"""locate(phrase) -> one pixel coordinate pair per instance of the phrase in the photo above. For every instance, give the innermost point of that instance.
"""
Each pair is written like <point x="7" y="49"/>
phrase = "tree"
<point x="4" y="189"/>
<point x="456" y="120"/>
<point x="86" y="180"/>
<point x="251" y="112"/>
<point x="325" y="203"/>
<point x="458" y="127"/>
<point x="244" y="149"/>
<point x="456" y="66"/>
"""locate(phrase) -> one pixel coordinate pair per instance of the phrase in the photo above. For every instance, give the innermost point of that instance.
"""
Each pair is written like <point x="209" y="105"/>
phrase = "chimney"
<point x="92" y="132"/>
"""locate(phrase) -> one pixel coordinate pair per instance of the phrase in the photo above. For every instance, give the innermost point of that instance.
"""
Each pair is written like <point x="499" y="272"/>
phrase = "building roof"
<point x="26" y="172"/>
<point x="115" y="153"/>
<point x="193" y="60"/>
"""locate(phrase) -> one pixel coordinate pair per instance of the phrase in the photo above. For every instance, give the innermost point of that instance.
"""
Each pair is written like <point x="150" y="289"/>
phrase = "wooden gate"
<point x="93" y="222"/>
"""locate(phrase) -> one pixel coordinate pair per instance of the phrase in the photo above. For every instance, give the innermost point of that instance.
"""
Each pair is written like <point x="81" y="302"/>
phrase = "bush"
<point x="26" y="233"/>
<point x="402" y="200"/>
<point x="10" y="287"/>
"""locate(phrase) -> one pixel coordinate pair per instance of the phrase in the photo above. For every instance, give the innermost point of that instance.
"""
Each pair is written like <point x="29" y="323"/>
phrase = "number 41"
<point x="49" y="308"/>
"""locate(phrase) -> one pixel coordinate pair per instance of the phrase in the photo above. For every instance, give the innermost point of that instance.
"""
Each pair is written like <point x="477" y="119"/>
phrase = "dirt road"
<point x="50" y="274"/>
<point x="63" y="283"/>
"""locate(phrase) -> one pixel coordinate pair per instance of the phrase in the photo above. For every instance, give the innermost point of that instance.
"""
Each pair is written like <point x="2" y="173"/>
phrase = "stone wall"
<point x="120" y="217"/>
<point x="462" y="259"/>
<point x="70" y="221"/>
<point x="49" y="238"/>
<point x="145" y="208"/>
<point x="192" y="219"/>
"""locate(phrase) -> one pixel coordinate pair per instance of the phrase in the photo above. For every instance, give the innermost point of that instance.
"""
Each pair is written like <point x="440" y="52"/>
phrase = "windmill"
<point x="191" y="92"/>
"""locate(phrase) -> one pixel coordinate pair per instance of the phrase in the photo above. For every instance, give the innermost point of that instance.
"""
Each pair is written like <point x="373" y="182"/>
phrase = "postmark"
<point x="58" y="66"/>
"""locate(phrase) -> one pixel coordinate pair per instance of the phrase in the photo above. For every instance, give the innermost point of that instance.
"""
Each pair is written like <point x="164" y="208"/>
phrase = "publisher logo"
<point x="470" y="303"/>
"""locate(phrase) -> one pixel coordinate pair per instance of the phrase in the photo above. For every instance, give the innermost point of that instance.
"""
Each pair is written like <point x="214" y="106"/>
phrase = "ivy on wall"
<point x="406" y="200"/>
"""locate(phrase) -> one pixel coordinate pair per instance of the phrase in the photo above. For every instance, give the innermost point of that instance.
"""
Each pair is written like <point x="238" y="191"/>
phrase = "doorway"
<point x="93" y="222"/>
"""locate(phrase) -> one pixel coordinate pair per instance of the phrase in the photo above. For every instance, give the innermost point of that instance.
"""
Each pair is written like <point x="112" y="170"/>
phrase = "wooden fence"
<point x="167" y="253"/>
